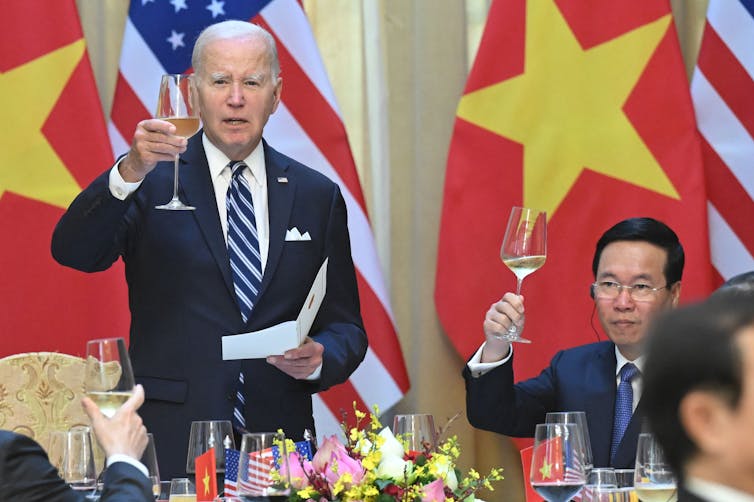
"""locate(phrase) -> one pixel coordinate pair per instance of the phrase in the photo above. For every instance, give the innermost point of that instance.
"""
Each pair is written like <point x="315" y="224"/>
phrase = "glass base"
<point x="175" y="205"/>
<point x="511" y="338"/>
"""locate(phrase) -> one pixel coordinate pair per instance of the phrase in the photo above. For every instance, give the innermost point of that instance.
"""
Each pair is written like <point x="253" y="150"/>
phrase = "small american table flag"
<point x="258" y="471"/>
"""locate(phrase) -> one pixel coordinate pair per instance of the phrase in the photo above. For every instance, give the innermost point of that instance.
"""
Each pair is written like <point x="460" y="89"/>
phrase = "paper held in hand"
<point x="275" y="340"/>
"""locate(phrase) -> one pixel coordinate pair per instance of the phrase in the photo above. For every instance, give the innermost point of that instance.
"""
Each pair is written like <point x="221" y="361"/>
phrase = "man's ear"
<point x="705" y="418"/>
<point x="675" y="293"/>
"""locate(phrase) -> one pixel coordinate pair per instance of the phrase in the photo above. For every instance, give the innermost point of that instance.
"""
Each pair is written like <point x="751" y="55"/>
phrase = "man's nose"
<point x="236" y="96"/>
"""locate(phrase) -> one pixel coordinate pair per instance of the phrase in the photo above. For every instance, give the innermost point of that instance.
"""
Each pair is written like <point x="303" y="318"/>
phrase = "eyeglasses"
<point x="609" y="290"/>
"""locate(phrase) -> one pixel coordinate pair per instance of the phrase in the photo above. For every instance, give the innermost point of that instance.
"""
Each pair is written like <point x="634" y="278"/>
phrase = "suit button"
<point x="230" y="396"/>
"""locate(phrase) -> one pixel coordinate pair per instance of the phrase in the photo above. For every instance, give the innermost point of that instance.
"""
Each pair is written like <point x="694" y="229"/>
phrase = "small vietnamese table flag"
<point x="206" y="479"/>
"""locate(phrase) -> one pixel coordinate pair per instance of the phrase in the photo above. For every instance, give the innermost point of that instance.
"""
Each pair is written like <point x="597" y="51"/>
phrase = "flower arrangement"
<point x="375" y="466"/>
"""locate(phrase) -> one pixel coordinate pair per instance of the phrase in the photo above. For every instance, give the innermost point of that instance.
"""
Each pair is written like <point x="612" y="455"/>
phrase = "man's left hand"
<point x="301" y="361"/>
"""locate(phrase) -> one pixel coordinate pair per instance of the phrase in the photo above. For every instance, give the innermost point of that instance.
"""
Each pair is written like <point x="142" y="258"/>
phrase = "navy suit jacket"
<point x="182" y="298"/>
<point x="578" y="379"/>
<point x="26" y="474"/>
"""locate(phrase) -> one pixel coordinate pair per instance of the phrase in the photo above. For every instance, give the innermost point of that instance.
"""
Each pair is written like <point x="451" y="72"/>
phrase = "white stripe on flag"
<point x="735" y="25"/>
<point x="723" y="131"/>
<point x="729" y="255"/>
<point x="139" y="67"/>
<point x="363" y="381"/>
<point x="289" y="22"/>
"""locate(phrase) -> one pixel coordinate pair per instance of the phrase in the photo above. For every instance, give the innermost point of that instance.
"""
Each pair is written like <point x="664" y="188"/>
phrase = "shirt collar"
<point x="218" y="161"/>
<point x="620" y="361"/>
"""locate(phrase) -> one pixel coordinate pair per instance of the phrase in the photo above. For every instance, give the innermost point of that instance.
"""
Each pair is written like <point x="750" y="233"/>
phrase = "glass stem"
<point x="519" y="280"/>
<point x="175" y="178"/>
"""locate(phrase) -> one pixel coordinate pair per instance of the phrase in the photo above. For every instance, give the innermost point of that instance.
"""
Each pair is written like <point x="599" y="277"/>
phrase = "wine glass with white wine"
<point x="176" y="105"/>
<point x="524" y="250"/>
<point x="109" y="379"/>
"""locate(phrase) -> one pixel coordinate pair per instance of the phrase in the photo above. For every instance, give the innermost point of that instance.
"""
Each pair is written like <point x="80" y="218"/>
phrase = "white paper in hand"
<point x="275" y="340"/>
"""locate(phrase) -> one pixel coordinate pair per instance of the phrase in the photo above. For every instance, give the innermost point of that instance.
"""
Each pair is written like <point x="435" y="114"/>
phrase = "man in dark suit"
<point x="699" y="396"/>
<point x="26" y="473"/>
<point x="182" y="288"/>
<point x="637" y="268"/>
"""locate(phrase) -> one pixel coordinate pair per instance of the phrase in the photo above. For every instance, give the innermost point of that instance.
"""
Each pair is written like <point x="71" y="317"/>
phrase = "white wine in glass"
<point x="176" y="105"/>
<point x="524" y="250"/>
<point x="109" y="379"/>
<point x="654" y="480"/>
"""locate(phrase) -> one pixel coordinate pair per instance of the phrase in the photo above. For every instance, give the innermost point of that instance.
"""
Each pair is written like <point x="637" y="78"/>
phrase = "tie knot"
<point x="236" y="167"/>
<point x="628" y="372"/>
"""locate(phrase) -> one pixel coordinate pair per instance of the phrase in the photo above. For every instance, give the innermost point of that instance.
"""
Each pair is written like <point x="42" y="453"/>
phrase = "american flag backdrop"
<point x="722" y="89"/>
<point x="307" y="126"/>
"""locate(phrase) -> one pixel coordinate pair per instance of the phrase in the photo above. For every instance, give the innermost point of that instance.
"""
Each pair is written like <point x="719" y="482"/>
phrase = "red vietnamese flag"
<point x="54" y="142"/>
<point x="206" y="479"/>
<point x="582" y="109"/>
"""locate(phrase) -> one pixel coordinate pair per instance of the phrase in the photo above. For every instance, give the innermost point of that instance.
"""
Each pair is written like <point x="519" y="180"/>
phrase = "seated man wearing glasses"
<point x="637" y="269"/>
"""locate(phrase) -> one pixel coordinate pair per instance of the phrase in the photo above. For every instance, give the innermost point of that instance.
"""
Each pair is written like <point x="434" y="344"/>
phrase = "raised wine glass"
<point x="524" y="250"/>
<point x="109" y="379"/>
<point x="557" y="471"/>
<point x="176" y="105"/>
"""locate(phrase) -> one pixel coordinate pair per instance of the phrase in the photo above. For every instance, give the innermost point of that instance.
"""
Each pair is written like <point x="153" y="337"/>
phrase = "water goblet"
<point x="417" y="430"/>
<point x="78" y="459"/>
<point x="258" y="460"/>
<point x="206" y="434"/>
<point x="557" y="472"/>
<point x="579" y="419"/>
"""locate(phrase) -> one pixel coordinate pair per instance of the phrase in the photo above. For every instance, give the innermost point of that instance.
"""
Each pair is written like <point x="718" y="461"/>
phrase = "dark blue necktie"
<point x="245" y="260"/>
<point x="624" y="400"/>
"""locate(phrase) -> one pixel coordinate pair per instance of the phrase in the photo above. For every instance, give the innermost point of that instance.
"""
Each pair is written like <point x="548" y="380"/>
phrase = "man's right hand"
<point x="499" y="318"/>
<point x="124" y="433"/>
<point x="154" y="141"/>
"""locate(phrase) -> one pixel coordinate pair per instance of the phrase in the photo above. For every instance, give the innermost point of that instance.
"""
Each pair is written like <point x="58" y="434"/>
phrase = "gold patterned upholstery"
<point x="41" y="392"/>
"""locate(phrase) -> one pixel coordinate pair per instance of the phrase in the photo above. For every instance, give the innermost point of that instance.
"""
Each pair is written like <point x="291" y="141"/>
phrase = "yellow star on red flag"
<point x="28" y="93"/>
<point x="566" y="108"/>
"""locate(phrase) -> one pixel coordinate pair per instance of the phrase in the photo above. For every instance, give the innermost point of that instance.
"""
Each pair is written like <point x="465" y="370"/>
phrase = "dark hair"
<point x="741" y="283"/>
<point x="692" y="348"/>
<point x="647" y="230"/>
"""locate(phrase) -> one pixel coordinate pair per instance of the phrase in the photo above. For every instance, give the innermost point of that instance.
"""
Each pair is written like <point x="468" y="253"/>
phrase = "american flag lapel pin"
<point x="282" y="179"/>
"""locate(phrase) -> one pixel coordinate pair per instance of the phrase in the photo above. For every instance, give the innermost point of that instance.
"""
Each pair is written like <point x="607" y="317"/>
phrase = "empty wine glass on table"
<point x="579" y="419"/>
<point x="206" y="434"/>
<point x="417" y="430"/>
<point x="557" y="471"/>
<point x="175" y="104"/>
<point x="256" y="463"/>
<point x="109" y="379"/>
<point x="78" y="459"/>
<point x="149" y="459"/>
<point x="524" y="250"/>
<point x="654" y="480"/>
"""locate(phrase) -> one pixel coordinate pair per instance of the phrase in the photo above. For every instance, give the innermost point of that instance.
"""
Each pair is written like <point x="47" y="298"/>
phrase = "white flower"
<point x="391" y="447"/>
<point x="444" y="468"/>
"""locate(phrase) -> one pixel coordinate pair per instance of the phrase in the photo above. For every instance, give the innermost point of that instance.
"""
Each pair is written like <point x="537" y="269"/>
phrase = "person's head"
<point x="741" y="283"/>
<point x="699" y="388"/>
<point x="237" y="75"/>
<point x="637" y="269"/>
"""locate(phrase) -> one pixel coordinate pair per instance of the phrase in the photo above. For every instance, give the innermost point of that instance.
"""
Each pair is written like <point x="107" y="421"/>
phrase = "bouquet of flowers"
<point x="374" y="466"/>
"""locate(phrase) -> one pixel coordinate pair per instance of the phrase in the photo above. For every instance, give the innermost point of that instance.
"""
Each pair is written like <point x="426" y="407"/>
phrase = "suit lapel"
<point x="599" y="409"/>
<point x="281" y="187"/>
<point x="197" y="186"/>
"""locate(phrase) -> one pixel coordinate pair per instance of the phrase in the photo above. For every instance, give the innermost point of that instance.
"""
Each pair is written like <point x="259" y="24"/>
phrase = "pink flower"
<point x="434" y="492"/>
<point x="332" y="453"/>
<point x="297" y="473"/>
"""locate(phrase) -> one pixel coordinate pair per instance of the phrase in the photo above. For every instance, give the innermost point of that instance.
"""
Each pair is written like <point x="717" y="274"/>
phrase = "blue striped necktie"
<point x="624" y="401"/>
<point x="245" y="260"/>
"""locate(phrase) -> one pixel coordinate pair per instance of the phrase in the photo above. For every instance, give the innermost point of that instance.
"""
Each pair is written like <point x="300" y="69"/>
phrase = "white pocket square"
<point x="293" y="234"/>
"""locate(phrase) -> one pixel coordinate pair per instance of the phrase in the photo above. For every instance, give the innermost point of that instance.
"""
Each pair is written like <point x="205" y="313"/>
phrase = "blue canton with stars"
<point x="170" y="27"/>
